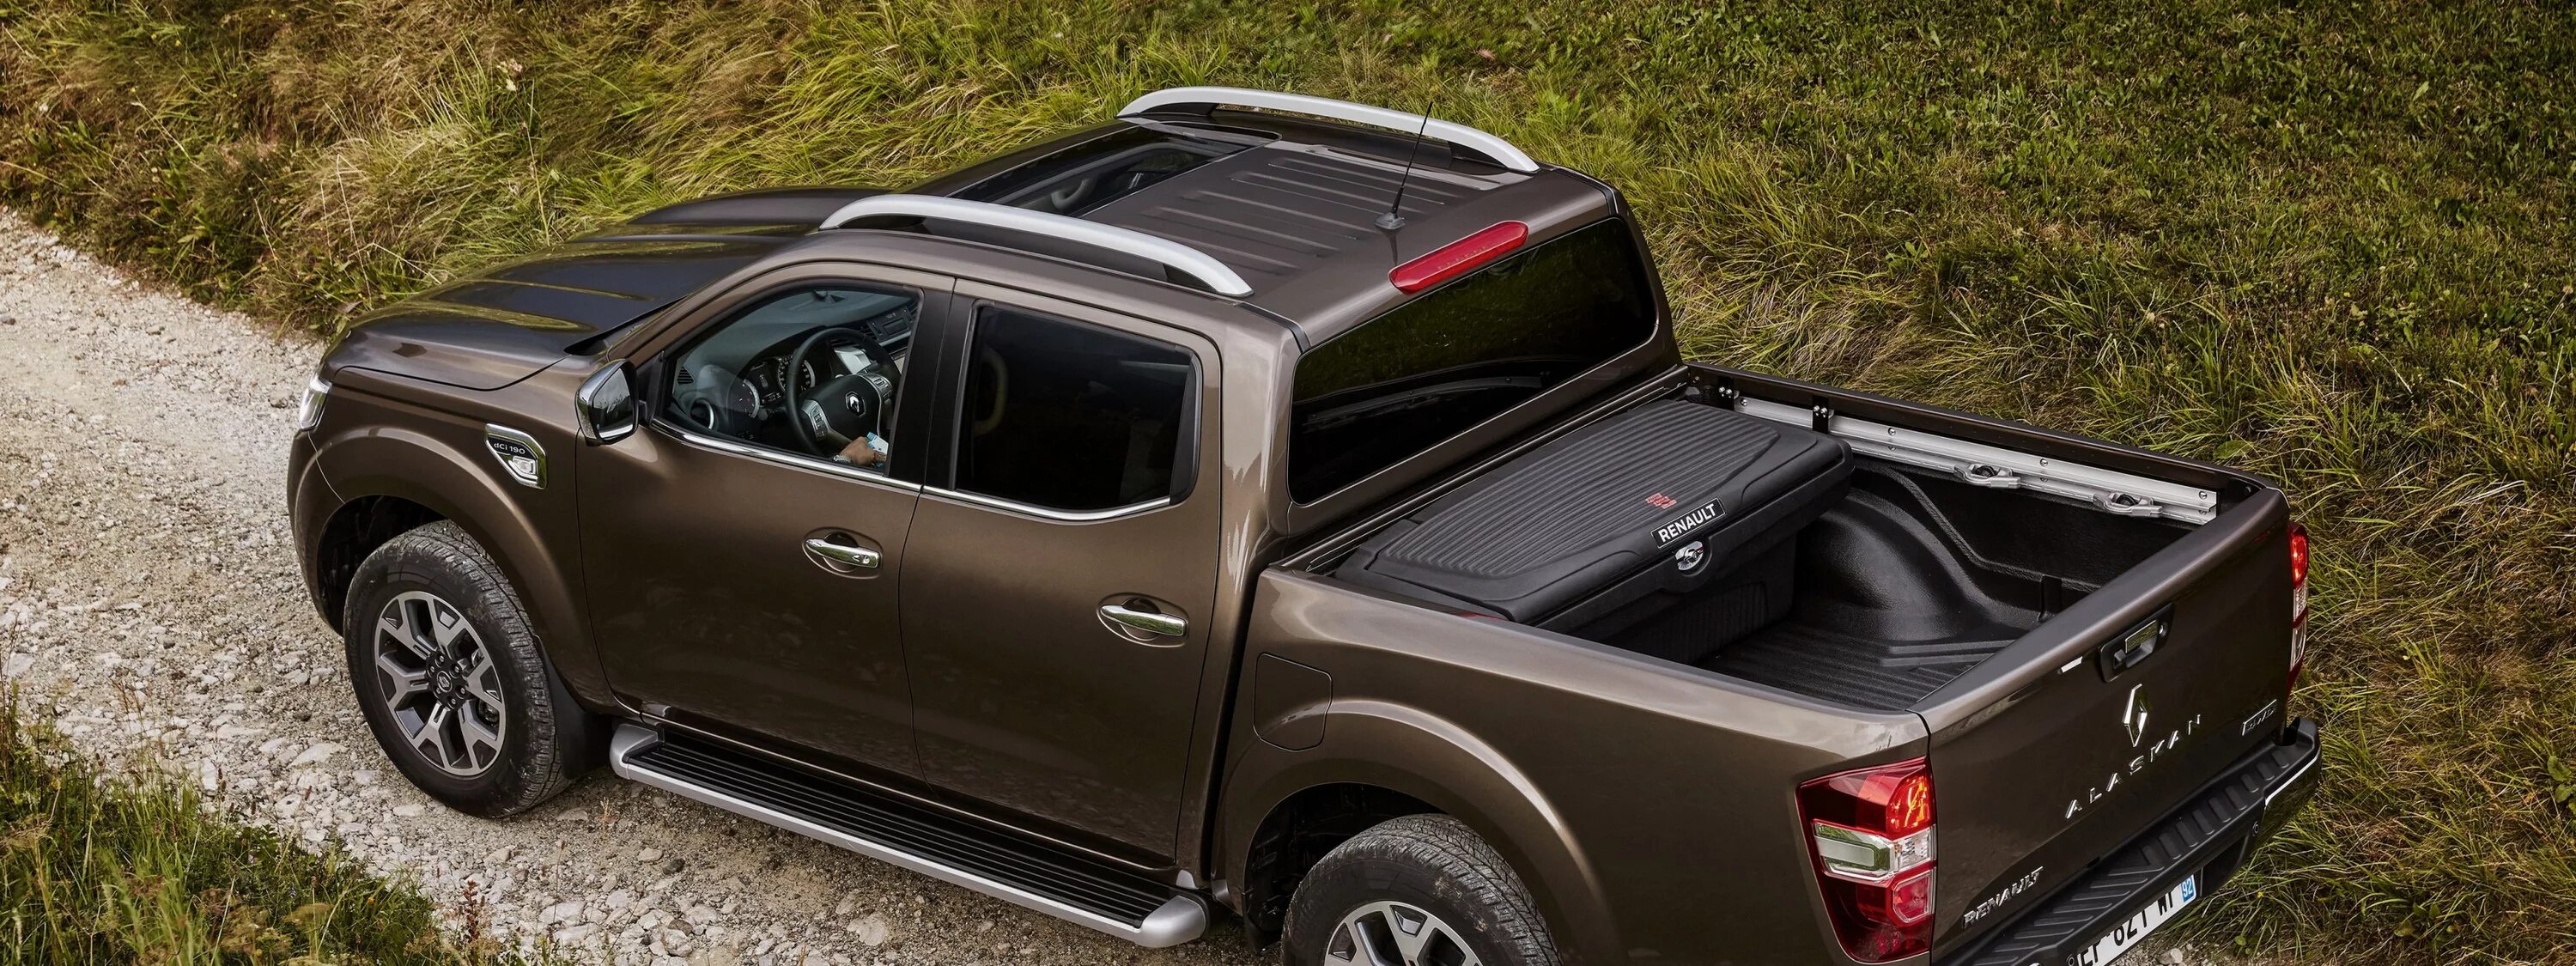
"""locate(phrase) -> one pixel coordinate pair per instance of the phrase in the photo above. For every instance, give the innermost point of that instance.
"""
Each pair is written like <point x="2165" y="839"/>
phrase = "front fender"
<point x="374" y="444"/>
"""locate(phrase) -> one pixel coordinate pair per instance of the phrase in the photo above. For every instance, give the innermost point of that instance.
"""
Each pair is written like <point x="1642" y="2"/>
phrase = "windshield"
<point x="1439" y="364"/>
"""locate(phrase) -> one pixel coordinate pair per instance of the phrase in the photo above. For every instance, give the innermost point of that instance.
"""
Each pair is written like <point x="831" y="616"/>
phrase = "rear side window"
<point x="1067" y="416"/>
<point x="1431" y="368"/>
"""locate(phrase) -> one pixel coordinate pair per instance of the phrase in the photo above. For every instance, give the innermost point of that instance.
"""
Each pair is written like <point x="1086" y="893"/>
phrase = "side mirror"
<point x="606" y="405"/>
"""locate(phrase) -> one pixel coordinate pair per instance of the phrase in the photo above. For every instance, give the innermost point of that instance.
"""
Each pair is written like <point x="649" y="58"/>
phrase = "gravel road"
<point x="149" y="604"/>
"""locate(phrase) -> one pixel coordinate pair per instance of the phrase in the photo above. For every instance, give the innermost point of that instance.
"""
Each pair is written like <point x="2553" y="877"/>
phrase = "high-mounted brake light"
<point x="1459" y="257"/>
<point x="1870" y="832"/>
<point x="2298" y="602"/>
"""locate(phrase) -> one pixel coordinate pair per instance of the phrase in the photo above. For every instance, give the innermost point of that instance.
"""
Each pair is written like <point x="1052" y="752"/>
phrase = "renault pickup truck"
<point x="1295" y="513"/>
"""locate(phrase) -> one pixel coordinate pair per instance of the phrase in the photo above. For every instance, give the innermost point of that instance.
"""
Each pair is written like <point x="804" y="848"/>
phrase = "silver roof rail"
<point x="1501" y="151"/>
<point x="1171" y="254"/>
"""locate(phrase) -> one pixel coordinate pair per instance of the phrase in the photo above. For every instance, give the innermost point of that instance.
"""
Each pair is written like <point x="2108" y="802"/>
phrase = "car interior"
<point x="809" y="372"/>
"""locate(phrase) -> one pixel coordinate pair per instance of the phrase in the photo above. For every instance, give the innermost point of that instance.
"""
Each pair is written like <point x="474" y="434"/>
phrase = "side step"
<point x="943" y="847"/>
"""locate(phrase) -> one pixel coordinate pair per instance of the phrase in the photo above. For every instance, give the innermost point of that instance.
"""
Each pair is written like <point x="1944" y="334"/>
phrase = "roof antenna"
<point x="1394" y="216"/>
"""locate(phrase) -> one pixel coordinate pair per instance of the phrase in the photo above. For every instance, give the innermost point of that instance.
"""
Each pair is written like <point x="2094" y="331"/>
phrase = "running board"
<point x="943" y="847"/>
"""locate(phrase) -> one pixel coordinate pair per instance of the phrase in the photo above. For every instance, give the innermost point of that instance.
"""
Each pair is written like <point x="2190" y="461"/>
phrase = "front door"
<point x="1057" y="594"/>
<point x="744" y="548"/>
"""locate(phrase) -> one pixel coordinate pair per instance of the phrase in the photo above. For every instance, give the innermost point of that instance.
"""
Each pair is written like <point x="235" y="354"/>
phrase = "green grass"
<point x="2328" y="241"/>
<point x="106" y="866"/>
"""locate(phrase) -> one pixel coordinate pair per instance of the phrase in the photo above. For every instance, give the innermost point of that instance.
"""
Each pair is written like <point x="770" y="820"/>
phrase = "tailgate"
<point x="2052" y="754"/>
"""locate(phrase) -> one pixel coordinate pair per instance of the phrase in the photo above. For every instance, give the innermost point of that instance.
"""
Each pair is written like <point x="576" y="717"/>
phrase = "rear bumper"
<point x="2210" y="837"/>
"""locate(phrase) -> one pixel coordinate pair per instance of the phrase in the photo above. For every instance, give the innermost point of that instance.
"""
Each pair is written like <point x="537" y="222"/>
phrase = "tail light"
<point x="1870" y="832"/>
<point x="2298" y="602"/>
<point x="1459" y="257"/>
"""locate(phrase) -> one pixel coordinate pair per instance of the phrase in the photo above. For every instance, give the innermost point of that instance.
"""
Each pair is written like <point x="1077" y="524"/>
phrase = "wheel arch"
<point x="399" y="474"/>
<point x="1402" y="760"/>
<point x="354" y="530"/>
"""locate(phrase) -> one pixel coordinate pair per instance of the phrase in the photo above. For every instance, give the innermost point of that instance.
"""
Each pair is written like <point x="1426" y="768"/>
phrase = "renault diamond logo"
<point x="2136" y="717"/>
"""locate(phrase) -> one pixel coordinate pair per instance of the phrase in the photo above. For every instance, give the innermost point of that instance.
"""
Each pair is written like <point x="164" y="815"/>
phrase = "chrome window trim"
<point x="1068" y="516"/>
<point x="1403" y="122"/>
<point x="1164" y="251"/>
<point x="842" y="470"/>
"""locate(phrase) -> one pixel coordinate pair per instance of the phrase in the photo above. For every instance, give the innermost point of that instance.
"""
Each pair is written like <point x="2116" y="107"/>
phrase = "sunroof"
<point x="1097" y="171"/>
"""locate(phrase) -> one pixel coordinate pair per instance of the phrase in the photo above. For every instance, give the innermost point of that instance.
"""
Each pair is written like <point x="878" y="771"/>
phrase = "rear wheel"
<point x="452" y="680"/>
<point x="1422" y="890"/>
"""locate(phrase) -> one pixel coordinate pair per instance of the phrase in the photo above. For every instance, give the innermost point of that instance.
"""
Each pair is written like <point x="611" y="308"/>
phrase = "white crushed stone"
<point x="151" y="610"/>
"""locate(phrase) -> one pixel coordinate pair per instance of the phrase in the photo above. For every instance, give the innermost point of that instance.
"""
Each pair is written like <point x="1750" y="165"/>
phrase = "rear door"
<point x="1061" y="573"/>
<point x="2094" y="726"/>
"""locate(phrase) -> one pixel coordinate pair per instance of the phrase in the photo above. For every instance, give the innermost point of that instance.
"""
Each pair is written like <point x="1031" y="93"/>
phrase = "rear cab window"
<point x="1433" y="367"/>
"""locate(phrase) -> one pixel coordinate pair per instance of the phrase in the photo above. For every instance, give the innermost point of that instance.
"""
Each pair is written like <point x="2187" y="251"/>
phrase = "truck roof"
<point x="1289" y="203"/>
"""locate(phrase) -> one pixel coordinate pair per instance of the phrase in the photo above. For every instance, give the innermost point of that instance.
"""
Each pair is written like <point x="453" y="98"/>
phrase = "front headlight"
<point x="308" y="412"/>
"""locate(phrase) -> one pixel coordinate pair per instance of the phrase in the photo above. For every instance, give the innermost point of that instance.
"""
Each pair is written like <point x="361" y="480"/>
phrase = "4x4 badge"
<point x="2136" y="717"/>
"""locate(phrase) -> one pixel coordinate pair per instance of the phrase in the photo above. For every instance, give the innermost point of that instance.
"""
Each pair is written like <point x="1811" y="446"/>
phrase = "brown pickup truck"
<point x="1295" y="511"/>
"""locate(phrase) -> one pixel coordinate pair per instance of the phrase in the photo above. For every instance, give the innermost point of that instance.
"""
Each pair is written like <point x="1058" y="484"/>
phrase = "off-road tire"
<point x="548" y="740"/>
<point x="1435" y="863"/>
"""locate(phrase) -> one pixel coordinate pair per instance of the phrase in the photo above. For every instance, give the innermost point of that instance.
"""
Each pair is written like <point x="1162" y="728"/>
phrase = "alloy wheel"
<point x="1396" y="934"/>
<point x="435" y="675"/>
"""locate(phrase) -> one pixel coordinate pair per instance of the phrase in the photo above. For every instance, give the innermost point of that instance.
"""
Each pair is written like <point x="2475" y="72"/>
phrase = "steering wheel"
<point x="842" y="408"/>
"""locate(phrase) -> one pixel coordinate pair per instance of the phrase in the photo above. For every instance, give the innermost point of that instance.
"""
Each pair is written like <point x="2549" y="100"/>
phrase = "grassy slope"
<point x="104" y="867"/>
<point x="2328" y="241"/>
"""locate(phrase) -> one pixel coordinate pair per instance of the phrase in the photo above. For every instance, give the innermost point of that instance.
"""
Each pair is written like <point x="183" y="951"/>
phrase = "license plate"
<point x="2110" y="945"/>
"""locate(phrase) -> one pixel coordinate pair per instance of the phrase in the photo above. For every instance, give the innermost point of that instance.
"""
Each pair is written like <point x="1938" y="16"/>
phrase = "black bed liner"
<point x="1860" y="671"/>
<point x="1907" y="582"/>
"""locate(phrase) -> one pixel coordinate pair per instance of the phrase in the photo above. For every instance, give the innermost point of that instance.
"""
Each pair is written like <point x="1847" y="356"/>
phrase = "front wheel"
<point x="1422" y="890"/>
<point x="452" y="680"/>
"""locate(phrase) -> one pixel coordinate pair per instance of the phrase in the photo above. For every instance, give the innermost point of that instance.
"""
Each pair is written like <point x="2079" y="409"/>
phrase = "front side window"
<point x="813" y="371"/>
<point x="1068" y="416"/>
<point x="1429" y="369"/>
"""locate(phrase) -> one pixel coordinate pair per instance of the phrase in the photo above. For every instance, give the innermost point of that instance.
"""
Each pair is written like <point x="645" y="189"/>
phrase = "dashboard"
<point x="738" y="381"/>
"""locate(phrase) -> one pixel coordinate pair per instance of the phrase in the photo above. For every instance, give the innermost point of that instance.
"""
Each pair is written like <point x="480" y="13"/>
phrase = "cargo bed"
<point x="1911" y="580"/>
<point x="2087" y="641"/>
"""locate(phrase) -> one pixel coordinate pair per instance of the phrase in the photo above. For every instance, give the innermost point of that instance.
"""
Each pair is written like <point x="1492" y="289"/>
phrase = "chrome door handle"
<point x="1151" y="622"/>
<point x="842" y="553"/>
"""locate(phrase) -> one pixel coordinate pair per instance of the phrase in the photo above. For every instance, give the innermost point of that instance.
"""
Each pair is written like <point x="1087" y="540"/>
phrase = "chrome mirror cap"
<point x="605" y="405"/>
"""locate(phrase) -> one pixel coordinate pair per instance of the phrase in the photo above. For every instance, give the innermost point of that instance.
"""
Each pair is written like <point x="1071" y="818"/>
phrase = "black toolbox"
<point x="1664" y="501"/>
